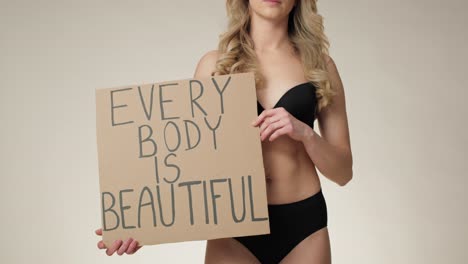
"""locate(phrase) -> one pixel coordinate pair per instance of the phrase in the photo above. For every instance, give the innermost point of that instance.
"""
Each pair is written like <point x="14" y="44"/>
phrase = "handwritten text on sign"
<point x="180" y="161"/>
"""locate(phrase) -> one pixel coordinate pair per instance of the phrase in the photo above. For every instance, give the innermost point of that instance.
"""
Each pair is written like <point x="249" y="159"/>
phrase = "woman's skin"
<point x="129" y="246"/>
<point x="291" y="149"/>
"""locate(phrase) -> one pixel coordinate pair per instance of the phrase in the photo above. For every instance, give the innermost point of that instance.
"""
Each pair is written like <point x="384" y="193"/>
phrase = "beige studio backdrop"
<point x="403" y="65"/>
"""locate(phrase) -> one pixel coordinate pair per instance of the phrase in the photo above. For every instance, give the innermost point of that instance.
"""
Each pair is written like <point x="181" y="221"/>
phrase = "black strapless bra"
<point x="300" y="101"/>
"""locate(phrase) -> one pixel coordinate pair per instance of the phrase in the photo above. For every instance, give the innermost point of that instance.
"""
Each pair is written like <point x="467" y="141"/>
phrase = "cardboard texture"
<point x="180" y="160"/>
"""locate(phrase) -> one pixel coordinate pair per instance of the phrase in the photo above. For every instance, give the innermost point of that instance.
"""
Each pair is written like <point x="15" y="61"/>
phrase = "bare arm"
<point x="331" y="153"/>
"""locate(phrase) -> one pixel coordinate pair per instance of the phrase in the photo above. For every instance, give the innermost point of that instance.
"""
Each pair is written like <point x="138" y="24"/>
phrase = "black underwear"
<point x="289" y="225"/>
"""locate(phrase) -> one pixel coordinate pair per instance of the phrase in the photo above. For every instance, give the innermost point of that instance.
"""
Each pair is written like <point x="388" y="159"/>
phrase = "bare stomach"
<point x="290" y="173"/>
<point x="290" y="176"/>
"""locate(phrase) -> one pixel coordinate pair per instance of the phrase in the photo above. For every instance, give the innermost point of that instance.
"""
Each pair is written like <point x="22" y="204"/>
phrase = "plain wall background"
<point x="403" y="66"/>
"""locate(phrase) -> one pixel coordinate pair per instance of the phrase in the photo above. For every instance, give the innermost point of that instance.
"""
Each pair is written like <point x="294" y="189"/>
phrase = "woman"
<point x="283" y="42"/>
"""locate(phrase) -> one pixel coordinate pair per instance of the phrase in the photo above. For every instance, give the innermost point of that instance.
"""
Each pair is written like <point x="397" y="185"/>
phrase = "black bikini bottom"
<point x="289" y="224"/>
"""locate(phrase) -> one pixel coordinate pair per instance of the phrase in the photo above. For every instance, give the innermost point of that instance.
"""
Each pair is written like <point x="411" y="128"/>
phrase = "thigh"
<point x="313" y="249"/>
<point x="228" y="251"/>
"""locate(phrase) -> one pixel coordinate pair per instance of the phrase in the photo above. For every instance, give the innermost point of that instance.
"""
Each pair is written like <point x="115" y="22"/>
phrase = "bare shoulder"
<point x="334" y="76"/>
<point x="206" y="64"/>
<point x="333" y="120"/>
<point x="327" y="58"/>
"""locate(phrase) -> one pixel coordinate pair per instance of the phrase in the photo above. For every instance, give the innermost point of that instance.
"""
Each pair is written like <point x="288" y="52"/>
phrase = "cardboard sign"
<point x="180" y="160"/>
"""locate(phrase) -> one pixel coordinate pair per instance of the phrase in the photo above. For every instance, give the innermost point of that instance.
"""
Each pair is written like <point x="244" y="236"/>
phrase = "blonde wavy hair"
<point x="306" y="33"/>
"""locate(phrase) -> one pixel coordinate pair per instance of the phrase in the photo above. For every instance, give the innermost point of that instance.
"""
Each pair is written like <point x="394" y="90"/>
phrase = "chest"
<point x="300" y="101"/>
<point x="286" y="86"/>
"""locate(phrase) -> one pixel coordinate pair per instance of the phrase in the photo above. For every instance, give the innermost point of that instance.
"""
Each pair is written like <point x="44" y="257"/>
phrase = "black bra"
<point x="300" y="101"/>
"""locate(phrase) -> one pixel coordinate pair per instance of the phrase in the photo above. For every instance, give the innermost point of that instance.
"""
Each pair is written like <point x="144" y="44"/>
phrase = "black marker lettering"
<point x="160" y="205"/>
<point x="166" y="134"/>
<point x="233" y="211"/>
<point x="220" y="92"/>
<point x="213" y="129"/>
<point x="149" y="112"/>
<point x="104" y="210"/>
<point x="189" y="145"/>
<point x="123" y="208"/>
<point x="162" y="101"/>
<point x="151" y="203"/>
<point x="173" y="166"/>
<point x="189" y="190"/>
<point x="252" y="209"/>
<point x="194" y="101"/>
<point x="147" y="139"/>
<point x="214" y="197"/>
<point x="205" y="200"/>
<point x="117" y="106"/>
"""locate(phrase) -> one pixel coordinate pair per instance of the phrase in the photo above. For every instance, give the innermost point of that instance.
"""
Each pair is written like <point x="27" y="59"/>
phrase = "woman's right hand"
<point x="130" y="245"/>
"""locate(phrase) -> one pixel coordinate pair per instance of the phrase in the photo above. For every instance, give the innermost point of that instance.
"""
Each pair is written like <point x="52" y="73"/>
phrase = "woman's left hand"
<point x="278" y="121"/>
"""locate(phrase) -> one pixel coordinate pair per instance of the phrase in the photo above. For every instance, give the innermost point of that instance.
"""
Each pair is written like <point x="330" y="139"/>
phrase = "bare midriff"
<point x="290" y="173"/>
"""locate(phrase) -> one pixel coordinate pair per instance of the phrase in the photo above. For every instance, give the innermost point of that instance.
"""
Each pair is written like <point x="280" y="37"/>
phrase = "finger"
<point x="134" y="247"/>
<point x="124" y="246"/>
<point x="277" y="115"/>
<point x="138" y="247"/>
<point x="267" y="121"/>
<point x="101" y="245"/>
<point x="114" y="247"/>
<point x="271" y="129"/>
<point x="98" y="232"/>
<point x="263" y="124"/>
<point x="262" y="116"/>
<point x="279" y="132"/>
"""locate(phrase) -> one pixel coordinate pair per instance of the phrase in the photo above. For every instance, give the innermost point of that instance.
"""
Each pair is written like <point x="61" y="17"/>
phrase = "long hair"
<point x="306" y="33"/>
